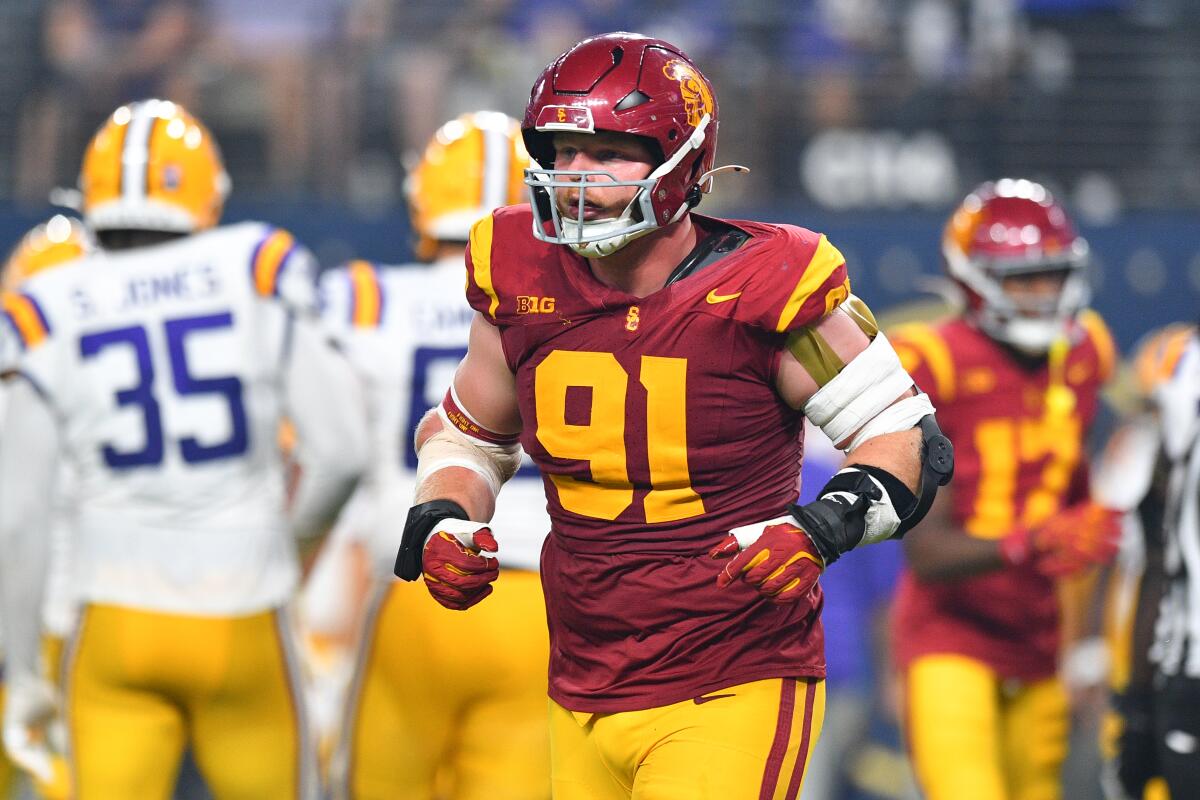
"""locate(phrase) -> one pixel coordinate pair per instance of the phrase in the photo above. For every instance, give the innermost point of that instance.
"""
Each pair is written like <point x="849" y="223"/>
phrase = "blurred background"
<point x="865" y="119"/>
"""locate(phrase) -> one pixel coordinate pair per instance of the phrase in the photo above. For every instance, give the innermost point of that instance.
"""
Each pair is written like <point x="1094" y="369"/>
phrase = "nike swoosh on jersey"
<point x="715" y="298"/>
<point x="708" y="698"/>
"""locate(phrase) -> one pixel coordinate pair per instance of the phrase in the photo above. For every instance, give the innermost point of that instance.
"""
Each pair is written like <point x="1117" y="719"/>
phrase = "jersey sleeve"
<point x="27" y="346"/>
<point x="795" y="284"/>
<point x="481" y="291"/>
<point x="1102" y="342"/>
<point x="282" y="268"/>
<point x="927" y="357"/>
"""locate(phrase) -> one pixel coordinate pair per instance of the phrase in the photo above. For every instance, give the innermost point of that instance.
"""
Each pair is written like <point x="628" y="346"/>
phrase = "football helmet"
<point x="153" y="166"/>
<point x="625" y="83"/>
<point x="1013" y="228"/>
<point x="56" y="241"/>
<point x="473" y="164"/>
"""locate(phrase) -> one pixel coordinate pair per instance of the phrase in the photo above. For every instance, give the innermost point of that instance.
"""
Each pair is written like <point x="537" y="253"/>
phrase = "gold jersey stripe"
<point x="269" y="260"/>
<point x="1102" y="339"/>
<point x="822" y="264"/>
<point x="25" y="318"/>
<point x="481" y="260"/>
<point x="366" y="299"/>
<point x="933" y="350"/>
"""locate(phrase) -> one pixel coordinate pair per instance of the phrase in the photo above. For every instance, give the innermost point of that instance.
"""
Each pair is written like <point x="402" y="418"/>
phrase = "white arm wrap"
<point x="450" y="447"/>
<point x="895" y="418"/>
<point x="865" y="387"/>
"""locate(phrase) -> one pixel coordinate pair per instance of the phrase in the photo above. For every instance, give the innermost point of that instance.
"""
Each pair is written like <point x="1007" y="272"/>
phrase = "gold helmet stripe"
<point x="135" y="153"/>
<point x="497" y="158"/>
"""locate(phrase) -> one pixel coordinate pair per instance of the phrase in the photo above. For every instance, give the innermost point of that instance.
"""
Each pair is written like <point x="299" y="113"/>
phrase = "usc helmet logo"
<point x="696" y="94"/>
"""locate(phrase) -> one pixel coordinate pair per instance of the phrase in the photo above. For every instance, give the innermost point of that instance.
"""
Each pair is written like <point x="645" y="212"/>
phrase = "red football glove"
<point x="456" y="573"/>
<point x="1069" y="542"/>
<point x="775" y="557"/>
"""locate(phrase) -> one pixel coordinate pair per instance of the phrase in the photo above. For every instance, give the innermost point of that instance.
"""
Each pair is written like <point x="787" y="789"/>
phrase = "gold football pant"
<point x="8" y="772"/>
<point x="745" y="742"/>
<point x="973" y="734"/>
<point x="141" y="685"/>
<point x="450" y="704"/>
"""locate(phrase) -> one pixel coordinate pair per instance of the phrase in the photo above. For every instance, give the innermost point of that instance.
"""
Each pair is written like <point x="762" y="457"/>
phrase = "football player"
<point x="657" y="366"/>
<point x="1132" y="476"/>
<point x="159" y="369"/>
<point x="1016" y="378"/>
<point x="59" y="240"/>
<point x="478" y="730"/>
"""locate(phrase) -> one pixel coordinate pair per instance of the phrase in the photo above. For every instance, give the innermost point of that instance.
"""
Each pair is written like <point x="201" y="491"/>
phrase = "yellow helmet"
<point x="56" y="241"/>
<point x="472" y="165"/>
<point x="153" y="166"/>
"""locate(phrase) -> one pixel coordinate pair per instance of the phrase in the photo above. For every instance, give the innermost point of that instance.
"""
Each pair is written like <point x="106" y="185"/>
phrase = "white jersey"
<point x="1177" y="636"/>
<point x="164" y="367"/>
<point x="58" y="610"/>
<point x="405" y="329"/>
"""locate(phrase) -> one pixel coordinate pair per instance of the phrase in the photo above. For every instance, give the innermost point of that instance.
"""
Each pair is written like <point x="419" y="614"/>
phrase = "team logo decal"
<point x="632" y="319"/>
<point x="697" y="96"/>
<point x="566" y="118"/>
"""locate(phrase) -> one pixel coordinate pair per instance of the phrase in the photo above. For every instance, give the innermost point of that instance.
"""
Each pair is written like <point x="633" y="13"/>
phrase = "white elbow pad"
<point x="870" y="383"/>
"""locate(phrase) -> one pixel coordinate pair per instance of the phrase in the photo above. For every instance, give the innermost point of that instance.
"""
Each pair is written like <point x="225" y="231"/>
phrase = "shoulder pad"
<point x="26" y="319"/>
<point x="362" y="295"/>
<point x="282" y="267"/>
<point x="1102" y="341"/>
<point x="927" y="357"/>
<point x="795" y="277"/>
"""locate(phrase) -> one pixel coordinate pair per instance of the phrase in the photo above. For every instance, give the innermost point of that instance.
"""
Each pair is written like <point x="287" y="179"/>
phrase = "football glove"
<point x="456" y="571"/>
<point x="31" y="725"/>
<point x="1136" y="761"/>
<point x="1072" y="540"/>
<point x="776" y="557"/>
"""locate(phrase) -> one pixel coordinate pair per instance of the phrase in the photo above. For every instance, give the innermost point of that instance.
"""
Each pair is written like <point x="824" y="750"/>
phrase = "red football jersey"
<point x="657" y="428"/>
<point x="1018" y="432"/>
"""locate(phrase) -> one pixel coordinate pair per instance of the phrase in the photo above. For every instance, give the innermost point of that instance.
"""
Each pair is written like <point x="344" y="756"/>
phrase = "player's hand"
<point x="457" y="573"/>
<point x="1136" y="761"/>
<point x="776" y="557"/>
<point x="1078" y="537"/>
<point x="30" y="714"/>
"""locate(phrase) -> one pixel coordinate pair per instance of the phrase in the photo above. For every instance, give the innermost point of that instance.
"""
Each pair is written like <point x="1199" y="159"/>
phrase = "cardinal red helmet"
<point x="625" y="83"/>
<point x="1012" y="228"/>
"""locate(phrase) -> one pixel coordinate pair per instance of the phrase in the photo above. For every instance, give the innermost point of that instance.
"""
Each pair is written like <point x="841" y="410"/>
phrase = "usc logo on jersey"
<point x="696" y="93"/>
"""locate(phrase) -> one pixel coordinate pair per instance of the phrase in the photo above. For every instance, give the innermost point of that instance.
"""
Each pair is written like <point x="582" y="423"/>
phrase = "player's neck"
<point x="643" y="266"/>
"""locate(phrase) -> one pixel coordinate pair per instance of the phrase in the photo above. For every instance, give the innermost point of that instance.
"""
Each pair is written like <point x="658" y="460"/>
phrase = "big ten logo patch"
<point x="532" y="304"/>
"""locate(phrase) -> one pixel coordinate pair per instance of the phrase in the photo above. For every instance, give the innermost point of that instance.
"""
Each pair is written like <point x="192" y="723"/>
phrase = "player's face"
<point x="1034" y="292"/>
<point x="626" y="157"/>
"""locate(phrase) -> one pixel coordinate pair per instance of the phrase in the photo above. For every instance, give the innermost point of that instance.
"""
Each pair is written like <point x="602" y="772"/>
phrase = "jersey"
<point x="1018" y="432"/>
<point x="657" y="428"/>
<point x="404" y="330"/>
<point x="1176" y="648"/>
<point x="164" y="366"/>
